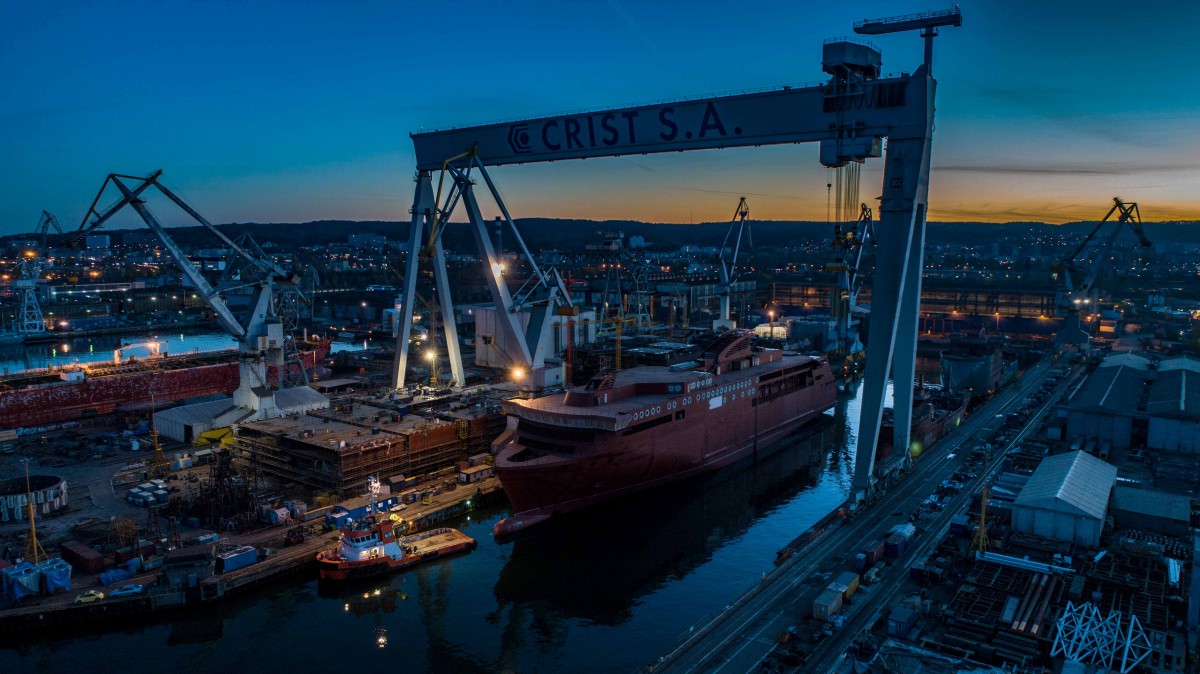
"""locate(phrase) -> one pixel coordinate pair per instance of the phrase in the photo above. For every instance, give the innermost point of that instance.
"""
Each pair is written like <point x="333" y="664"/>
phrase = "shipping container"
<point x="83" y="558"/>
<point x="826" y="604"/>
<point x="895" y="546"/>
<point x="873" y="551"/>
<point x="236" y="558"/>
<point x="475" y="474"/>
<point x="860" y="561"/>
<point x="849" y="579"/>
<point x="479" y="459"/>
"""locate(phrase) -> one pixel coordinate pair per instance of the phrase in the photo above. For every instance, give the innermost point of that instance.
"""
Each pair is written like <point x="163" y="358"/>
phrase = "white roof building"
<point x="1066" y="499"/>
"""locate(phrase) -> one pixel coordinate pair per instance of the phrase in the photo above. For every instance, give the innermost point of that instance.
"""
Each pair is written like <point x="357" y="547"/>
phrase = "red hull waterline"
<point x="653" y="426"/>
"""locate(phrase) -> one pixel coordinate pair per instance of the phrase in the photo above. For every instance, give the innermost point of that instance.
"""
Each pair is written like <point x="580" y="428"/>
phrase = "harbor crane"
<point x="849" y="116"/>
<point x="729" y="267"/>
<point x="1078" y="295"/>
<point x="30" y="320"/>
<point x="259" y="332"/>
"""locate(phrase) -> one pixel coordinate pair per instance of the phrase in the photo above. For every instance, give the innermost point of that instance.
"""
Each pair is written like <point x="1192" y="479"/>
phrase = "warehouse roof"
<point x="1180" y="363"/>
<point x="1111" y="389"/>
<point x="1176" y="393"/>
<point x="201" y="413"/>
<point x="1076" y="482"/>
<point x="1152" y="503"/>
<point x="196" y="413"/>
<point x="1128" y="359"/>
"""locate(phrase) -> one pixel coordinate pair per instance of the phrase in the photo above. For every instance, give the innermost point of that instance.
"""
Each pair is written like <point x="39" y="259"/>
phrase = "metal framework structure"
<point x="30" y="320"/>
<point x="849" y="116"/>
<point x="1079" y="284"/>
<point x="541" y="295"/>
<point x="850" y="248"/>
<point x="259" y="332"/>
<point x="729" y="268"/>
<point x="1087" y="636"/>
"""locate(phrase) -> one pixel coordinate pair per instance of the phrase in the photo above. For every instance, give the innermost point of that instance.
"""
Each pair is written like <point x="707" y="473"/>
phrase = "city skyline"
<point x="259" y="115"/>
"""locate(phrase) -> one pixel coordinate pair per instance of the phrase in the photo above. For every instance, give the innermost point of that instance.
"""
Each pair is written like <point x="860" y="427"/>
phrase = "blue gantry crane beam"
<point x="849" y="116"/>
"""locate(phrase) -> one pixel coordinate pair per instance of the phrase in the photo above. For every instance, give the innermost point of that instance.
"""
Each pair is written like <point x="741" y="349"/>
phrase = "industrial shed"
<point x="186" y="422"/>
<point x="1174" y="409"/>
<point x="1106" y="405"/>
<point x="1066" y="499"/>
<point x="1154" y="511"/>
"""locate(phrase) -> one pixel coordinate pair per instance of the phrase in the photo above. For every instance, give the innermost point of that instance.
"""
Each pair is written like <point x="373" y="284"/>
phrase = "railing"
<point x="937" y="13"/>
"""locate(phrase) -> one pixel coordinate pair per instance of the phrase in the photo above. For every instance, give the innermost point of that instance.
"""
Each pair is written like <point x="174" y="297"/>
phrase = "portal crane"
<point x="849" y="116"/>
<point x="259" y="333"/>
<point x="45" y="224"/>
<point x="30" y="320"/>
<point x="1078" y="292"/>
<point x="729" y="267"/>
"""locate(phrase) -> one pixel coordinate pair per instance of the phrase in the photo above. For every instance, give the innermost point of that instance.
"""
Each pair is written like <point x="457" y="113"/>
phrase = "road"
<point x="744" y="635"/>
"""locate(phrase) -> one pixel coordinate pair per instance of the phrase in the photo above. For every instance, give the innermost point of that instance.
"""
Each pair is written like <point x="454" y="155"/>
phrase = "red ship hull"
<point x="56" y="402"/>
<point x="731" y="420"/>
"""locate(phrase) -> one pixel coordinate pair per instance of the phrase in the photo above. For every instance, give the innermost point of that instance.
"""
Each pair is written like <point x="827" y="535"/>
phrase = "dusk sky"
<point x="296" y="111"/>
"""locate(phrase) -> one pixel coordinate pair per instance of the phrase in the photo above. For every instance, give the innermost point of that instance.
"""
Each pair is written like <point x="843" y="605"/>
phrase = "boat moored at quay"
<point x="636" y="429"/>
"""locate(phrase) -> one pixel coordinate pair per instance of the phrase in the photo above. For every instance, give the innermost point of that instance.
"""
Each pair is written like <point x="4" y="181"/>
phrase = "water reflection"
<point x="596" y="566"/>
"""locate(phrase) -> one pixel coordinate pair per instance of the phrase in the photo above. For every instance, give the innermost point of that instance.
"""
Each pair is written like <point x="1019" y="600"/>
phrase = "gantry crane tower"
<point x="1078" y="295"/>
<point x="259" y="332"/>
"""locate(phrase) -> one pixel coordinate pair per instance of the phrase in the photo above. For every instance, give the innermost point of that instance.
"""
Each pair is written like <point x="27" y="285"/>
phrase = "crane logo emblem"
<point x="518" y="138"/>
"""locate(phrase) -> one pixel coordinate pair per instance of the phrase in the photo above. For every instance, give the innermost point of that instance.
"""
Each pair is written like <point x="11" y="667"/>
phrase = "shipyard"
<point x="762" y="381"/>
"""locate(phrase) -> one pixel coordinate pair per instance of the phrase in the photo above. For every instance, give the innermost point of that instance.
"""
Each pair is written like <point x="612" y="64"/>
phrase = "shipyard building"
<point x="338" y="449"/>
<point x="1135" y="401"/>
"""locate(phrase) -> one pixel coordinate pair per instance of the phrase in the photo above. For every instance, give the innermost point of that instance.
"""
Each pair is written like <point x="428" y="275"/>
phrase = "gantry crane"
<point x="259" y="333"/>
<point x="729" y="267"/>
<point x="1078" y="295"/>
<point x="849" y="116"/>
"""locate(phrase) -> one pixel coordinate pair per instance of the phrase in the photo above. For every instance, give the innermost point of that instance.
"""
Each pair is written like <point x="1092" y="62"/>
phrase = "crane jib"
<point x="786" y="115"/>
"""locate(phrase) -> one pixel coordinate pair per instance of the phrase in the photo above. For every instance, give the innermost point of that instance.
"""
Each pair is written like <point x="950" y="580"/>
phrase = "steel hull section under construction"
<point x="650" y="426"/>
<point x="103" y="390"/>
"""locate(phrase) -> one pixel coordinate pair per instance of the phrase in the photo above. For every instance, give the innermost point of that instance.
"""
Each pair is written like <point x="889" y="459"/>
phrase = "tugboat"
<point x="370" y="547"/>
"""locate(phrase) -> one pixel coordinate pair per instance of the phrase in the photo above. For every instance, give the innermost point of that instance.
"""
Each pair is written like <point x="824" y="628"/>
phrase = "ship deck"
<point x="647" y="374"/>
<point x="437" y="542"/>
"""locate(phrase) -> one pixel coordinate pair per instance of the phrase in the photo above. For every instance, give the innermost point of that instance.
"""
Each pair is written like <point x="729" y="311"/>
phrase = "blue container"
<point x="236" y="558"/>
<point x="860" y="562"/>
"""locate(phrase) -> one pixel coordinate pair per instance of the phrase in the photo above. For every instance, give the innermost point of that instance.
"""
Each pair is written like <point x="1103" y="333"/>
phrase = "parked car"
<point x="89" y="597"/>
<point x="128" y="591"/>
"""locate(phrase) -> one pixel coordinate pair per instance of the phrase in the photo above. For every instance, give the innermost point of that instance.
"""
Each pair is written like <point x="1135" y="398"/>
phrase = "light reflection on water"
<point x="610" y="590"/>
